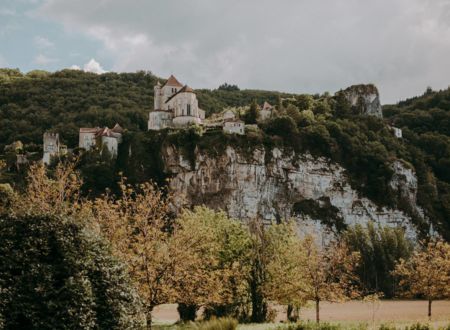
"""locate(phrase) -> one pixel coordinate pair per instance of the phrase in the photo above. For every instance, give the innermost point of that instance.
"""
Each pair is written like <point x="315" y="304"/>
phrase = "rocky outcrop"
<point x="270" y="186"/>
<point x="365" y="99"/>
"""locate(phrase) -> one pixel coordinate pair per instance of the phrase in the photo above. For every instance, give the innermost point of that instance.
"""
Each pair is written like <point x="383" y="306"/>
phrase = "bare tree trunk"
<point x="187" y="312"/>
<point x="317" y="311"/>
<point x="148" y="317"/>
<point x="429" y="308"/>
<point x="292" y="313"/>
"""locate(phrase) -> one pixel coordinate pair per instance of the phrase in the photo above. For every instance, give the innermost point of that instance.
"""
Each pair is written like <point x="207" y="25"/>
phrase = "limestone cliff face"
<point x="269" y="186"/>
<point x="365" y="97"/>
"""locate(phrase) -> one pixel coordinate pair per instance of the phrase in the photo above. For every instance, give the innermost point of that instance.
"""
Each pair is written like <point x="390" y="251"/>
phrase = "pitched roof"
<point x="117" y="129"/>
<point x="267" y="106"/>
<point x="185" y="89"/>
<point x="172" y="81"/>
<point x="89" y="130"/>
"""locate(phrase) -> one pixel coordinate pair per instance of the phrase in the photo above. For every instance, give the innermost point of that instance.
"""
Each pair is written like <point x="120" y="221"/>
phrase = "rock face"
<point x="366" y="98"/>
<point x="269" y="186"/>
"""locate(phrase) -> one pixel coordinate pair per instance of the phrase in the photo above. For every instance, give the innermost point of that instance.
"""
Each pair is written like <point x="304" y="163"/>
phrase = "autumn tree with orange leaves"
<point x="329" y="272"/>
<point x="427" y="272"/>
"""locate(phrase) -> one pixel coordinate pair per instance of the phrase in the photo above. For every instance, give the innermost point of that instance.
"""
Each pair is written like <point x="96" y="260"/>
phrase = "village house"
<point x="92" y="137"/>
<point x="234" y="126"/>
<point x="175" y="105"/>
<point x="266" y="111"/>
<point x="52" y="147"/>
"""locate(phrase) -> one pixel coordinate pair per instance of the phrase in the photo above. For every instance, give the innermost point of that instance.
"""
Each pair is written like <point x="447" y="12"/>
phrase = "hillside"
<point x="33" y="103"/>
<point x="322" y="126"/>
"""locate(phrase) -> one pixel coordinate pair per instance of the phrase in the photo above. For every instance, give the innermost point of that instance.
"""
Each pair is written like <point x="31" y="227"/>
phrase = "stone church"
<point x="175" y="105"/>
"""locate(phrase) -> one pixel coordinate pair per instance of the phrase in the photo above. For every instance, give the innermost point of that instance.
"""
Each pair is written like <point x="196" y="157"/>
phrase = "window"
<point x="188" y="109"/>
<point x="174" y="90"/>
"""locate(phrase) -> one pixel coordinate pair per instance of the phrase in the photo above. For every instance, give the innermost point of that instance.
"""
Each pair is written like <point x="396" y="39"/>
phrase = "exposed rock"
<point x="364" y="98"/>
<point x="250" y="186"/>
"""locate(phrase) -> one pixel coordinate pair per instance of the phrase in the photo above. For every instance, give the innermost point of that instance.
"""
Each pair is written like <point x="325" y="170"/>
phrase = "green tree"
<point x="56" y="274"/>
<point x="218" y="248"/>
<point x="251" y="117"/>
<point x="380" y="249"/>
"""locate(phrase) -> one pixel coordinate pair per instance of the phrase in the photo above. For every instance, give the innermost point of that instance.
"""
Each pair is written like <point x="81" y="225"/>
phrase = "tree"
<point x="329" y="272"/>
<point x="427" y="272"/>
<point x="212" y="277"/>
<point x="286" y="280"/>
<point x="304" y="102"/>
<point x="251" y="117"/>
<point x="380" y="249"/>
<point x="54" y="273"/>
<point x="139" y="228"/>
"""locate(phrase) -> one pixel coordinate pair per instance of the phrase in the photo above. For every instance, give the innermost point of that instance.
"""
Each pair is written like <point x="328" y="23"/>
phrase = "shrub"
<point x="54" y="274"/>
<point x="419" y="326"/>
<point x="216" y="324"/>
<point x="321" y="326"/>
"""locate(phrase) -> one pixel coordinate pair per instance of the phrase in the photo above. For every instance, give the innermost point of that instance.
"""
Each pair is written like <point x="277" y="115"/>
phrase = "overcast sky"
<point x="310" y="46"/>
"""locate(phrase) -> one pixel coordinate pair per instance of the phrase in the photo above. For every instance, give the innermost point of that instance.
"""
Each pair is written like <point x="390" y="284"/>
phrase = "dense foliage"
<point x="323" y="125"/>
<point x="425" y="121"/>
<point x="54" y="274"/>
<point x="380" y="248"/>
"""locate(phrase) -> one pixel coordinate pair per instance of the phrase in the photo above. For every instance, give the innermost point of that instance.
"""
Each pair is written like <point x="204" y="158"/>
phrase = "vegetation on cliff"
<point x="323" y="125"/>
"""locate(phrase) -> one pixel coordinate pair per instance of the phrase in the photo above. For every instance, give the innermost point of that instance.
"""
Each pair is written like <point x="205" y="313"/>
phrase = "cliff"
<point x="364" y="98"/>
<point x="281" y="185"/>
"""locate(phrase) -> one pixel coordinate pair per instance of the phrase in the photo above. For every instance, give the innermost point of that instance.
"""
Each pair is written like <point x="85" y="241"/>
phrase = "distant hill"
<point x="65" y="100"/>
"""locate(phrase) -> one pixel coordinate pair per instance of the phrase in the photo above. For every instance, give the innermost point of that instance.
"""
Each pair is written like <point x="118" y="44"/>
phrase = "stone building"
<point x="234" y="126"/>
<point x="266" y="111"/>
<point x="175" y="105"/>
<point x="92" y="137"/>
<point x="51" y="147"/>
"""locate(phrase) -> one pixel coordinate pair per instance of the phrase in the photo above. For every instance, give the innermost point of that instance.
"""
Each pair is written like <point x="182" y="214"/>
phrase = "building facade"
<point x="175" y="105"/>
<point x="234" y="126"/>
<point x="101" y="137"/>
<point x="51" y="147"/>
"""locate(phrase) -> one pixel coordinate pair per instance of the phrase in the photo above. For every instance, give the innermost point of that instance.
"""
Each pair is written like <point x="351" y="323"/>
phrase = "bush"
<point x="54" y="274"/>
<point x="419" y="326"/>
<point x="216" y="324"/>
<point x="321" y="326"/>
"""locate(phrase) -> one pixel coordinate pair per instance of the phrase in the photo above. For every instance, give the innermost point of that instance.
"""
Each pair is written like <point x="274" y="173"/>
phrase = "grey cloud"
<point x="290" y="45"/>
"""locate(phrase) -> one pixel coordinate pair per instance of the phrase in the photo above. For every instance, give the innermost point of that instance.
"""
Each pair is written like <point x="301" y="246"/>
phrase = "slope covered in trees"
<point x="322" y="125"/>
<point x="425" y="121"/>
<point x="33" y="103"/>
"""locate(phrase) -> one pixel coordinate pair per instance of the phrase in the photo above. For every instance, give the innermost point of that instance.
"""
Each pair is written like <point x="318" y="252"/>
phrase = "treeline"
<point x="107" y="263"/>
<point x="66" y="100"/>
<point x="425" y="121"/>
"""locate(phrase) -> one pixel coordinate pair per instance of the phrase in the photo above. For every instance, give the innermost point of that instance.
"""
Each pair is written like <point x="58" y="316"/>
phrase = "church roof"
<point x="267" y="106"/>
<point x="172" y="81"/>
<point x="117" y="129"/>
<point x="185" y="89"/>
<point x="89" y="130"/>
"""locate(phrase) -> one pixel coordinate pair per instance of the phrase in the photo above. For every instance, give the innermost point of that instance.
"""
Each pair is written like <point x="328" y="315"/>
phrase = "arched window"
<point x="188" y="110"/>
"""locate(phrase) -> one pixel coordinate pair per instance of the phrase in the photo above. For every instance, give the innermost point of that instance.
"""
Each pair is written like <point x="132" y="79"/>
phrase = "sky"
<point x="301" y="46"/>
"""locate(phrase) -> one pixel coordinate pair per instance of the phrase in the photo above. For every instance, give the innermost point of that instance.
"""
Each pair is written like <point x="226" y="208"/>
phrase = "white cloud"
<point x="93" y="66"/>
<point x="42" y="59"/>
<point x="43" y="42"/>
<point x="74" y="67"/>
<point x="291" y="45"/>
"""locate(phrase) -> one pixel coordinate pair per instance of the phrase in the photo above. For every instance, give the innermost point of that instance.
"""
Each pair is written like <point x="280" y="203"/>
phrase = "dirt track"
<point x="349" y="311"/>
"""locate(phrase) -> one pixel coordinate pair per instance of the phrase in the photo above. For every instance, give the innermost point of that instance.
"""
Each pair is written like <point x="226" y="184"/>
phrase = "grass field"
<point x="401" y="313"/>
